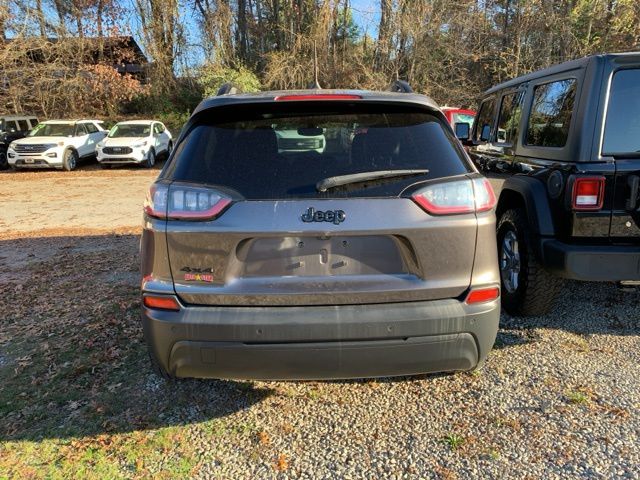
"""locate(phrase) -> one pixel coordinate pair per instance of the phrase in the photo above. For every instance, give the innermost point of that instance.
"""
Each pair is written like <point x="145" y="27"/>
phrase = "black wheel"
<point x="527" y="288"/>
<point x="4" y="164"/>
<point x="70" y="160"/>
<point x="151" y="159"/>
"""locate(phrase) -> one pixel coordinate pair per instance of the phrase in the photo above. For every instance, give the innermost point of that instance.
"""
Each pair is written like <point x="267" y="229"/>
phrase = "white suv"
<point x="57" y="144"/>
<point x="135" y="141"/>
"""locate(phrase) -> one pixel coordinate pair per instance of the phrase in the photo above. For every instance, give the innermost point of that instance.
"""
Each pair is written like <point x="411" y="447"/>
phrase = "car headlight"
<point x="139" y="144"/>
<point x="100" y="145"/>
<point x="12" y="145"/>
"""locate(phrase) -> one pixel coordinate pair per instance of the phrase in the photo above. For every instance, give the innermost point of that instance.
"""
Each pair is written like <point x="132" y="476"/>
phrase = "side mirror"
<point x="462" y="130"/>
<point x="485" y="133"/>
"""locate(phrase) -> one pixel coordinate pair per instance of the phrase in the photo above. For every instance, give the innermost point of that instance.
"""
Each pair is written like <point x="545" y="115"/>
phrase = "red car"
<point x="458" y="115"/>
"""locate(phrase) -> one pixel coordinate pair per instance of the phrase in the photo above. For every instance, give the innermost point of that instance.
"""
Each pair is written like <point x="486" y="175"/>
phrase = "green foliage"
<point x="213" y="76"/>
<point x="454" y="441"/>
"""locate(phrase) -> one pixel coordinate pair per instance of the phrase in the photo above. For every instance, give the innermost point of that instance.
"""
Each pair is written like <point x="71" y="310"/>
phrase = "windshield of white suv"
<point x="130" y="130"/>
<point x="53" y="130"/>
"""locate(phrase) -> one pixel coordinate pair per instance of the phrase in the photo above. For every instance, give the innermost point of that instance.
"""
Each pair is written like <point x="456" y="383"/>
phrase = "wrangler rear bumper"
<point x="321" y="342"/>
<point x="598" y="263"/>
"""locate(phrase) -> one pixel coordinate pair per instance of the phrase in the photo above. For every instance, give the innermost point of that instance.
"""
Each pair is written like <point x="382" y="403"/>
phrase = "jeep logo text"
<point x="331" y="216"/>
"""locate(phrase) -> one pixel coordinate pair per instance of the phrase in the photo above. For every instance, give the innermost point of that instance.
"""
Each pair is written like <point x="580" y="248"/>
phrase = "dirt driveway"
<point x="87" y="200"/>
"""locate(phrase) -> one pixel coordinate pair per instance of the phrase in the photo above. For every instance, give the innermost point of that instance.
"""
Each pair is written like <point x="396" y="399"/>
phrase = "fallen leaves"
<point x="282" y="463"/>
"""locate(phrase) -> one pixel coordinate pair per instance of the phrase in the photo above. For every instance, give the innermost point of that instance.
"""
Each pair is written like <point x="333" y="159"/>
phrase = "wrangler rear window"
<point x="284" y="154"/>
<point x="622" y="131"/>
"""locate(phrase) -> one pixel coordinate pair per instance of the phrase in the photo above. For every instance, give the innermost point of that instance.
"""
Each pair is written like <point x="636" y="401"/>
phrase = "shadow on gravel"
<point x="72" y="358"/>
<point x="583" y="308"/>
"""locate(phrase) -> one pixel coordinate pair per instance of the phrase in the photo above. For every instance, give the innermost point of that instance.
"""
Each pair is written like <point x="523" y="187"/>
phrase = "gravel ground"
<point x="559" y="396"/>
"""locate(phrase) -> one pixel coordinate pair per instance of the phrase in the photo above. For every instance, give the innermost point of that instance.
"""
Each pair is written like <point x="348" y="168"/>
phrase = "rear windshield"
<point x="622" y="130"/>
<point x="285" y="154"/>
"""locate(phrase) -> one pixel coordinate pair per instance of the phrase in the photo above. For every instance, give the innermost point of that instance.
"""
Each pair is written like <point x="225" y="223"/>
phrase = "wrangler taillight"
<point x="460" y="196"/>
<point x="588" y="193"/>
<point x="182" y="202"/>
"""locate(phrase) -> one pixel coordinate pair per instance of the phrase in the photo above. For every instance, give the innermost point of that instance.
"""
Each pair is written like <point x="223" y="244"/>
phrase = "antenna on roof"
<point x="400" y="86"/>
<point x="228" y="89"/>
<point x="315" y="85"/>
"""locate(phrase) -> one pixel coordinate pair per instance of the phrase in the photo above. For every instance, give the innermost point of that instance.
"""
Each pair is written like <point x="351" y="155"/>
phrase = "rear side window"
<point x="484" y="120"/>
<point x="551" y="111"/>
<point x="23" y="125"/>
<point x="509" y="118"/>
<point x="80" y="130"/>
<point x="91" y="128"/>
<point x="33" y="121"/>
<point x="285" y="154"/>
<point x="622" y="128"/>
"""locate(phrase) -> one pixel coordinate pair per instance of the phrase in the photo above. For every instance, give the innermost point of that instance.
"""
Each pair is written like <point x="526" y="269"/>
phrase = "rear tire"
<point x="4" y="163"/>
<point x="527" y="288"/>
<point x="151" y="159"/>
<point x="70" y="160"/>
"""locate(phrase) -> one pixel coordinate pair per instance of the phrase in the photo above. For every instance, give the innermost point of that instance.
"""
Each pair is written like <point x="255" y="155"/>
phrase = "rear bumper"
<point x="598" y="263"/>
<point x="321" y="342"/>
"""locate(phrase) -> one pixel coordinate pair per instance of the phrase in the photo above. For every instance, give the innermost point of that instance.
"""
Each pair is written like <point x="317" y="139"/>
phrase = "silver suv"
<point x="370" y="257"/>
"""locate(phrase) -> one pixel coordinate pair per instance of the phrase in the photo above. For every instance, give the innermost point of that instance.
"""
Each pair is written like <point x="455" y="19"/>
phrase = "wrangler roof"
<point x="564" y="67"/>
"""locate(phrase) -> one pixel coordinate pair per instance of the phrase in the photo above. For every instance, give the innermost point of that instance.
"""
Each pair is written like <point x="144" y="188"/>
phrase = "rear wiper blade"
<point x="332" y="182"/>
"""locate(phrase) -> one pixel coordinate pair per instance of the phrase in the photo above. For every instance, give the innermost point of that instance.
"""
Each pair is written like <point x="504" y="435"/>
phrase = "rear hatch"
<point x="256" y="222"/>
<point x="622" y="142"/>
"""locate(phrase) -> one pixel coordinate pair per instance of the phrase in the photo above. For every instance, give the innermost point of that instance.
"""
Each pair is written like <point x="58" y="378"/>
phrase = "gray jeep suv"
<point x="365" y="257"/>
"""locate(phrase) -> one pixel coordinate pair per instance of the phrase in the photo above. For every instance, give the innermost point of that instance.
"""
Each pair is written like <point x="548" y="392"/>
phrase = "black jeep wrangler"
<point x="566" y="141"/>
<point x="13" y="127"/>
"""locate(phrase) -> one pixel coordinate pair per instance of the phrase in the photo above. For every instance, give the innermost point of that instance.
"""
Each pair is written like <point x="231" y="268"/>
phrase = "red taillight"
<point x="588" y="193"/>
<point x="317" y="96"/>
<point x="161" y="303"/>
<point x="183" y="202"/>
<point x="481" y="295"/>
<point x="461" y="196"/>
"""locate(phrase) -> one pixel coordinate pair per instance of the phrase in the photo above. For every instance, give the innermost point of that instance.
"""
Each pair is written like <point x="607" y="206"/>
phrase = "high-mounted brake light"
<point x="461" y="196"/>
<point x="161" y="303"/>
<point x="588" y="193"/>
<point x="183" y="202"/>
<point x="481" y="295"/>
<point x="318" y="96"/>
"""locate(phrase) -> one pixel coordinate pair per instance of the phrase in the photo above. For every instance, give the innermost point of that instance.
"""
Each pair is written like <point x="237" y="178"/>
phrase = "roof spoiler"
<point x="400" y="86"/>
<point x="228" y="89"/>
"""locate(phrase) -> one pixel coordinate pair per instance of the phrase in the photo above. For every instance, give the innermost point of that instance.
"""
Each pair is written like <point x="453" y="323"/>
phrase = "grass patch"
<point x="454" y="441"/>
<point x="577" y="397"/>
